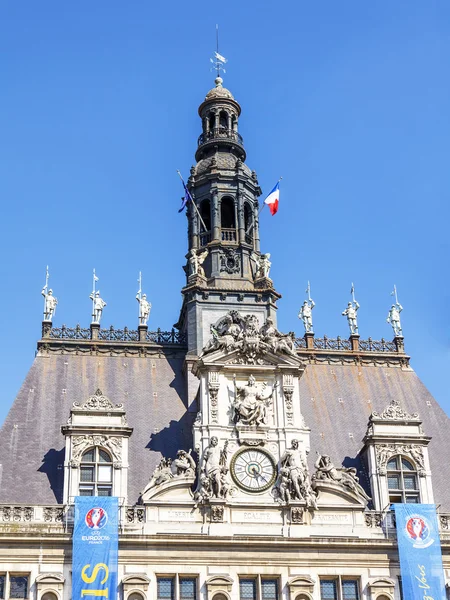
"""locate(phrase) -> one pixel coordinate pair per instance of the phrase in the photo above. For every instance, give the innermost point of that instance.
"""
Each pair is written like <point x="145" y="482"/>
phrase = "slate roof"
<point x="31" y="442"/>
<point x="32" y="446"/>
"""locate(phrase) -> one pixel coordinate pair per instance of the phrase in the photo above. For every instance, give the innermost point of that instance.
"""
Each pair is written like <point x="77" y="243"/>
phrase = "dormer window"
<point x="96" y="471"/>
<point x="403" y="484"/>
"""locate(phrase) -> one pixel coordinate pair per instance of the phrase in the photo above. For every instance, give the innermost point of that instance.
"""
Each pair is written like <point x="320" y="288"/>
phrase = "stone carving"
<point x="81" y="442"/>
<point x="346" y="477"/>
<point x="263" y="265"/>
<point x="394" y="318"/>
<point x="144" y="308"/>
<point x="50" y="303"/>
<point x="294" y="480"/>
<point x="196" y="259"/>
<point x="384" y="452"/>
<point x="213" y="471"/>
<point x="373" y="519"/>
<point x="305" y="315"/>
<point x="98" y="304"/>
<point x="394" y="412"/>
<point x="251" y="403"/>
<point x="161" y="474"/>
<point x="217" y="514"/>
<point x="213" y="388"/>
<point x="297" y="515"/>
<point x="184" y="464"/>
<point x="230" y="261"/>
<point x="350" y="313"/>
<point x="234" y="332"/>
<point x="98" y="401"/>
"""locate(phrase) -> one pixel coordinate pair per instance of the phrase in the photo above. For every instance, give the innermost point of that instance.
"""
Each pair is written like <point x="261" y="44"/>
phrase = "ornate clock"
<point x="253" y="469"/>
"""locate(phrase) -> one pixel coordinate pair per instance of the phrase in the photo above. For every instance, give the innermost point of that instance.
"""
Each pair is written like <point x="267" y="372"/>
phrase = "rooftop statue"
<point x="394" y="315"/>
<point x="278" y="342"/>
<point x="251" y="403"/>
<point x="50" y="301"/>
<point x="98" y="304"/>
<point x="144" y="305"/>
<point x="350" y="313"/>
<point x="263" y="265"/>
<point x="326" y="471"/>
<point x="305" y="313"/>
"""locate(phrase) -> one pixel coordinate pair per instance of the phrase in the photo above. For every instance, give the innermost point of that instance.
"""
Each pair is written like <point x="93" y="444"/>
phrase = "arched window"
<point x="135" y="596"/>
<point x="96" y="471"/>
<point x="223" y="120"/>
<point x="403" y="483"/>
<point x="49" y="596"/>
<point x="205" y="211"/>
<point x="211" y="118"/>
<point x="248" y="223"/>
<point x="227" y="217"/>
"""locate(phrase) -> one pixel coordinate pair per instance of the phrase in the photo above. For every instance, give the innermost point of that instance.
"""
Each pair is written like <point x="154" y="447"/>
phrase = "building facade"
<point x="249" y="464"/>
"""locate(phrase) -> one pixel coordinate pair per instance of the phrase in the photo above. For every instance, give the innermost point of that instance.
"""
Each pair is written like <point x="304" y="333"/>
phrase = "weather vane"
<point x="218" y="60"/>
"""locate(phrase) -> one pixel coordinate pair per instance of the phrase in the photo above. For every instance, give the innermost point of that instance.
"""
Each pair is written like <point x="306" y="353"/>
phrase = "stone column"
<point x="240" y="217"/>
<point x="215" y="215"/>
<point x="354" y="340"/>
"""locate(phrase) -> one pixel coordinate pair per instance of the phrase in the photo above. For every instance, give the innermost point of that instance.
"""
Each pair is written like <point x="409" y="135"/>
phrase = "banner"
<point x="95" y="548"/>
<point x="419" y="548"/>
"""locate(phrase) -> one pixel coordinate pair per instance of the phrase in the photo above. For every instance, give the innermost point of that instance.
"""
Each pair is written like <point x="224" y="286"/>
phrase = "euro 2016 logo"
<point x="418" y="531"/>
<point x="96" y="518"/>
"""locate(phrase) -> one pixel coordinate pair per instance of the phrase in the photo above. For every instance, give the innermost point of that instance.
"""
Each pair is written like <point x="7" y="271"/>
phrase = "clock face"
<point x="253" y="470"/>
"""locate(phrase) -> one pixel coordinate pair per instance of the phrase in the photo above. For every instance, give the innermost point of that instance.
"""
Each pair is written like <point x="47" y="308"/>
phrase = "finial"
<point x="218" y="61"/>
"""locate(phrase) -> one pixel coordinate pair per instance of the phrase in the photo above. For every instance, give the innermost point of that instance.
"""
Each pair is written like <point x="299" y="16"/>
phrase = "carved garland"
<point x="213" y="389"/>
<point x="111" y="443"/>
<point x="385" y="451"/>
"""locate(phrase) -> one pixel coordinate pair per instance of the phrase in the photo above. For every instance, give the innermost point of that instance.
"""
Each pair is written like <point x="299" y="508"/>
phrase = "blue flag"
<point x="419" y="548"/>
<point x="187" y="197"/>
<point x="95" y="548"/>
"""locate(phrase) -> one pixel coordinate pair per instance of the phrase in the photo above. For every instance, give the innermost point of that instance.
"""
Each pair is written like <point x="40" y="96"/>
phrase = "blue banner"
<point x="95" y="548"/>
<point x="419" y="548"/>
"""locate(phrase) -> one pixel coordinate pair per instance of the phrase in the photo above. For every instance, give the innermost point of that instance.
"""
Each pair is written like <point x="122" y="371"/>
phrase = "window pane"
<point x="103" y="456"/>
<point x="328" y="590"/>
<point x="104" y="473"/>
<point x="165" y="587"/>
<point x="18" y="586"/>
<point x="247" y="589"/>
<point x="86" y="473"/>
<point x="392" y="464"/>
<point x="269" y="589"/>
<point x="88" y="456"/>
<point x="394" y="482"/>
<point x="412" y="499"/>
<point x="2" y="586"/>
<point x="104" y="490"/>
<point x="407" y="466"/>
<point x="86" y="492"/>
<point x="187" y="588"/>
<point x="410" y="482"/>
<point x="349" y="590"/>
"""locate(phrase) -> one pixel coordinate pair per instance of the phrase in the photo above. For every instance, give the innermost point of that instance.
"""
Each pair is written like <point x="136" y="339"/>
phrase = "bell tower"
<point x="225" y="269"/>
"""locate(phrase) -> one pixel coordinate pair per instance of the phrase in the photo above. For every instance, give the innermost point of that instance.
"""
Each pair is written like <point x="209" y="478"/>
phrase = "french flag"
<point x="272" y="199"/>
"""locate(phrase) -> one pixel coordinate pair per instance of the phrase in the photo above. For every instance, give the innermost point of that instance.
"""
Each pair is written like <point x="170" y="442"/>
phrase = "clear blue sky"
<point x="348" y="101"/>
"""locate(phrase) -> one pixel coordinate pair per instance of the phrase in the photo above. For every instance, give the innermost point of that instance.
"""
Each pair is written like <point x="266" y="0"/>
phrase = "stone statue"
<point x="203" y="492"/>
<point x="213" y="461"/>
<point x="50" y="303"/>
<point x="144" y="308"/>
<point x="326" y="471"/>
<point x="278" y="342"/>
<point x="294" y="477"/>
<point x="196" y="260"/>
<point x="184" y="464"/>
<point x="263" y="265"/>
<point x="251" y="403"/>
<point x="98" y="306"/>
<point x="394" y="318"/>
<point x="161" y="474"/>
<point x="350" y="313"/>
<point x="226" y="333"/>
<point x="305" y="314"/>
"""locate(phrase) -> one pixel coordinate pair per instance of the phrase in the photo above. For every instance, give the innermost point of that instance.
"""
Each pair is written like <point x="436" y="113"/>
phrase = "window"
<point x="167" y="587"/>
<point x="339" y="589"/>
<point x="402" y="481"/>
<point x="2" y="586"/>
<point x="248" y="588"/>
<point x="227" y="216"/>
<point x="205" y="211"/>
<point x="18" y="586"/>
<point x="96" y="473"/>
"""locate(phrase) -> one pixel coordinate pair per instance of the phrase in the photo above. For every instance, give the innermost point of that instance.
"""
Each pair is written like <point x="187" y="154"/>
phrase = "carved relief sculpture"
<point x="213" y="470"/>
<point x="251" y="403"/>
<point x="161" y="474"/>
<point x="326" y="471"/>
<point x="294" y="480"/>
<point x="384" y="452"/>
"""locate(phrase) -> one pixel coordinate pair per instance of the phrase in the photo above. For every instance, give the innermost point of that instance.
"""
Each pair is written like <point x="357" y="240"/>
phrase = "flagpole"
<point x="195" y="206"/>
<point x="140" y="284"/>
<point x="94" y="279"/>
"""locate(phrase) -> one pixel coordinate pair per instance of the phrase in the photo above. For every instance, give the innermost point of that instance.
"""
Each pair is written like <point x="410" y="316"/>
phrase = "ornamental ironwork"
<point x="220" y="133"/>
<point x="119" y="335"/>
<point x="166" y="337"/>
<point x="70" y="333"/>
<point x="382" y="345"/>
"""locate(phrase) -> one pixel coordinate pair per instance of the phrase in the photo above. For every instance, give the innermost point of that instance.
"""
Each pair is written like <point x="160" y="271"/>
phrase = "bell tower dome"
<point x="225" y="269"/>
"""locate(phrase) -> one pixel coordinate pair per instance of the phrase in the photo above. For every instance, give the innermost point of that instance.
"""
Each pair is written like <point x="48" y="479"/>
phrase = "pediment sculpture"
<point x="234" y="332"/>
<point x="344" y="477"/>
<point x="252" y="402"/>
<point x="183" y="466"/>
